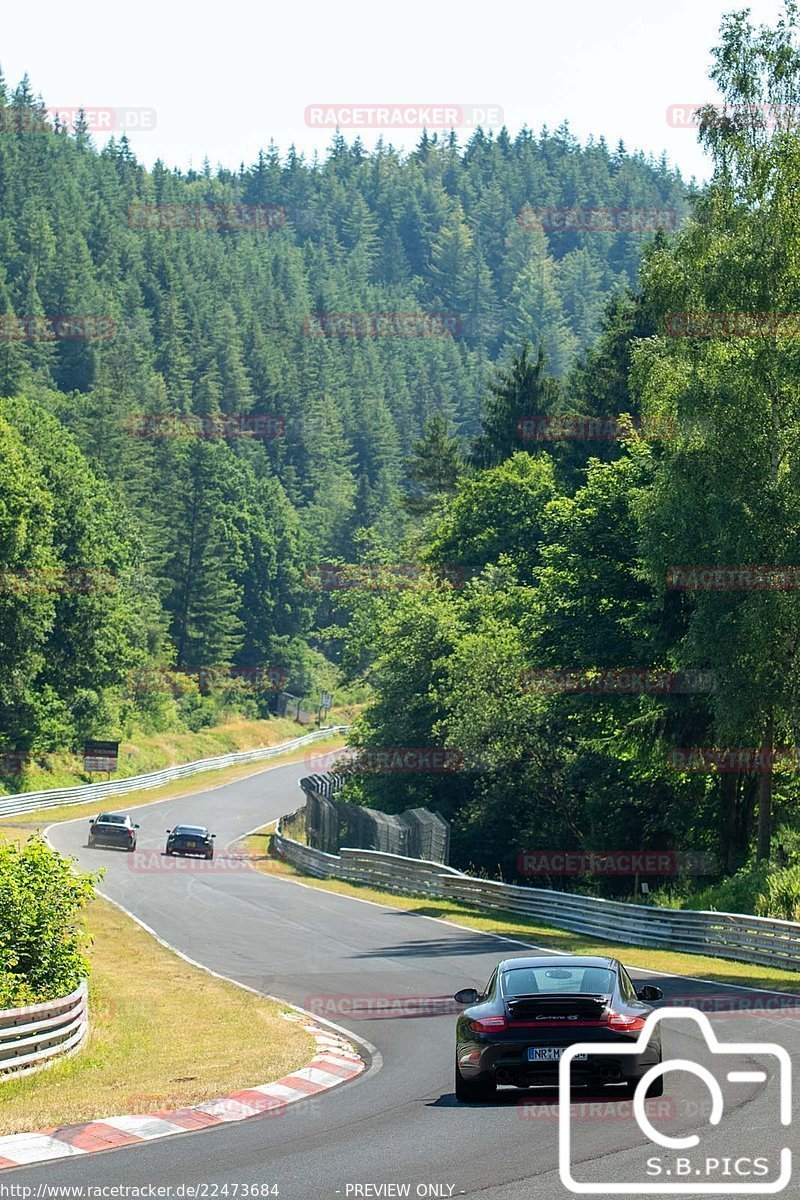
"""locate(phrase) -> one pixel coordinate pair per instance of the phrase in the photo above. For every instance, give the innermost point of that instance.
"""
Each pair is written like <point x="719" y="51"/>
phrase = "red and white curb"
<point x="335" y="1062"/>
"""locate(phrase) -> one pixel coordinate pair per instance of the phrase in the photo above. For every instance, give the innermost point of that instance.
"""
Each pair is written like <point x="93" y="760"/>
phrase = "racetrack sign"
<point x="327" y="700"/>
<point x="100" y="756"/>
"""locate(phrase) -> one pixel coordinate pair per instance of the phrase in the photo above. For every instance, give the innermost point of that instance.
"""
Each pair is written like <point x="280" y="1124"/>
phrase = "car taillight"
<point x="624" y="1022"/>
<point x="488" y="1025"/>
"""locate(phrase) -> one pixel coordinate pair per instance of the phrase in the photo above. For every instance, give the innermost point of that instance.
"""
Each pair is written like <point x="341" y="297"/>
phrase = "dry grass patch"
<point x="42" y="817"/>
<point x="163" y="1034"/>
<point x="152" y="752"/>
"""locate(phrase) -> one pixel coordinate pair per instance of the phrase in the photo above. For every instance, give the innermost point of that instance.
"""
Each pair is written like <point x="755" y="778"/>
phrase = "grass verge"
<point x="25" y="823"/>
<point x="511" y="925"/>
<point x="143" y="999"/>
<point x="163" y="1034"/>
<point x="152" y="752"/>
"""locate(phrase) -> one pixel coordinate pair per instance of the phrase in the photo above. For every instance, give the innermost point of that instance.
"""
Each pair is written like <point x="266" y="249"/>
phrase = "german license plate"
<point x="191" y="845"/>
<point x="550" y="1054"/>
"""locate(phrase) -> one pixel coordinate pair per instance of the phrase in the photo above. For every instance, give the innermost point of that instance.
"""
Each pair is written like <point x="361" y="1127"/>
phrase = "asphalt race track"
<point x="400" y="1123"/>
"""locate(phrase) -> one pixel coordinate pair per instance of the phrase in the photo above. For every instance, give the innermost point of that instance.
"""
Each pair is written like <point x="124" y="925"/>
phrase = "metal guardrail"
<point x="38" y="1035"/>
<point x="410" y="875"/>
<point x="392" y="871"/>
<point x="761" y="940"/>
<point x="736" y="936"/>
<point x="22" y="802"/>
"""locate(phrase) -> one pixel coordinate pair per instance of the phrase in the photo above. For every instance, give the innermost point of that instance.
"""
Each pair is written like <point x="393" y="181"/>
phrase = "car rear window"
<point x="112" y="819"/>
<point x="190" y="831"/>
<point x="530" y="981"/>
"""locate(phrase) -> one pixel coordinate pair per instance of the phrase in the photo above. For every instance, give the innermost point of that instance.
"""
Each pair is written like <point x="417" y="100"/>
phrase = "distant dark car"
<point x="190" y="839"/>
<point x="113" y="829"/>
<point x="532" y="1009"/>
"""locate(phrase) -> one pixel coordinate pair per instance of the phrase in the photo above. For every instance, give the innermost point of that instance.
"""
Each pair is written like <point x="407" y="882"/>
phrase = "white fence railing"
<point x="721" y="935"/>
<point x="36" y="1036"/>
<point x="23" y="802"/>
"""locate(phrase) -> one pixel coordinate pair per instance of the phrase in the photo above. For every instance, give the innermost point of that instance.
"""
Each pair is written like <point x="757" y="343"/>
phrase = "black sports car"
<point x="112" y="829"/>
<point x="190" y="839"/>
<point x="533" y="1008"/>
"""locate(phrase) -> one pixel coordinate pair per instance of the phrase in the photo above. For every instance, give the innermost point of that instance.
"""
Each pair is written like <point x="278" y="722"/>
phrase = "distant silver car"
<point x="112" y="829"/>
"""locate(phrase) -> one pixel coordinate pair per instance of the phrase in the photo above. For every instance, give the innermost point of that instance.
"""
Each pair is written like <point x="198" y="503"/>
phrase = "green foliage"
<point x="71" y="624"/>
<point x="766" y="888"/>
<point x="727" y="490"/>
<point x="207" y="539"/>
<point x="498" y="513"/>
<point x="434" y="467"/>
<point x="521" y="393"/>
<point x="781" y="898"/>
<point x="737" y="893"/>
<point x="416" y="449"/>
<point x="42" y="938"/>
<point x="567" y="553"/>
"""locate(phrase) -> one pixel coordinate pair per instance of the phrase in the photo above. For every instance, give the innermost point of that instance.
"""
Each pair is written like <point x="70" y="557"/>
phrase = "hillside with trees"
<point x="135" y="541"/>
<point x="571" y="549"/>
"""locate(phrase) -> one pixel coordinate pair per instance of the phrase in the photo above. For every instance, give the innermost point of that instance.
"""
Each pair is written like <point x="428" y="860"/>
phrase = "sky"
<point x="192" y="81"/>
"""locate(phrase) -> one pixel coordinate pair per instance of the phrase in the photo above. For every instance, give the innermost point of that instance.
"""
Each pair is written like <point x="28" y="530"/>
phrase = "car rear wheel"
<point x="655" y="1089"/>
<point x="210" y="854"/>
<point x="474" y="1089"/>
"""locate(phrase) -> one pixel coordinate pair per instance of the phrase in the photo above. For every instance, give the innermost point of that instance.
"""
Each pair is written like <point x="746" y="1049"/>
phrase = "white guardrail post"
<point x="38" y="1035"/>
<point x="735" y="936"/>
<point x="22" y="802"/>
